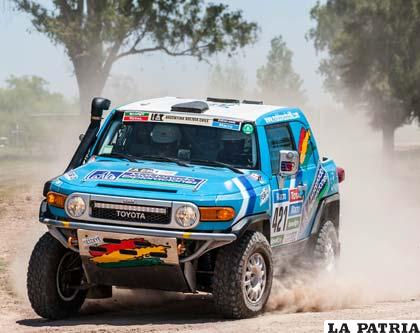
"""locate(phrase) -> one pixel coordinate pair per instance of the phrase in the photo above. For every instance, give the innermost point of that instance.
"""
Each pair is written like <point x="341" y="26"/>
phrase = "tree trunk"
<point x="388" y="140"/>
<point x="91" y="78"/>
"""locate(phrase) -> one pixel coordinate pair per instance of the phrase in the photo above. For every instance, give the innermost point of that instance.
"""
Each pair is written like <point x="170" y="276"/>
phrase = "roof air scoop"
<point x="247" y="101"/>
<point x="195" y="107"/>
<point x="223" y="100"/>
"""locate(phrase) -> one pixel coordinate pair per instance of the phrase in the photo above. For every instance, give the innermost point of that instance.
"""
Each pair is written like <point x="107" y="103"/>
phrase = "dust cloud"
<point x="379" y="220"/>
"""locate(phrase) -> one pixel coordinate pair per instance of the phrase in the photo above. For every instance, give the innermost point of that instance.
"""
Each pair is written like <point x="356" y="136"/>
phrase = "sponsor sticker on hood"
<point x="146" y="176"/>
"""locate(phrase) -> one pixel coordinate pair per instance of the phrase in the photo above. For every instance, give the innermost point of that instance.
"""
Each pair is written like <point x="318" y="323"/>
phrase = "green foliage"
<point x="277" y="80"/>
<point x="227" y="81"/>
<point x="26" y="109"/>
<point x="371" y="56"/>
<point x="95" y="34"/>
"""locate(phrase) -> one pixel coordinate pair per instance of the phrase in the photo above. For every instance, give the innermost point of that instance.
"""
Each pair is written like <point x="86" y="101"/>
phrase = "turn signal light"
<point x="56" y="199"/>
<point x="216" y="213"/>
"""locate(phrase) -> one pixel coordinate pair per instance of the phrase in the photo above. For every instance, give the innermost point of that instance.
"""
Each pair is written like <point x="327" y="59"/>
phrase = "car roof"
<point x="239" y="111"/>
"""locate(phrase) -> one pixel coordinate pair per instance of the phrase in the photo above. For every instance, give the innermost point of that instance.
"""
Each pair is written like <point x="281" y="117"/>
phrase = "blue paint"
<point x="251" y="192"/>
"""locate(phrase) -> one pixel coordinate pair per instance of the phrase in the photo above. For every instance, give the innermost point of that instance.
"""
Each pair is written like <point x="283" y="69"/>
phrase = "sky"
<point x="27" y="52"/>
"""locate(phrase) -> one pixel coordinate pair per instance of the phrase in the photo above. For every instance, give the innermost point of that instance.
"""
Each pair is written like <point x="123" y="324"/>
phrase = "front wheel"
<point x="243" y="276"/>
<point x="55" y="275"/>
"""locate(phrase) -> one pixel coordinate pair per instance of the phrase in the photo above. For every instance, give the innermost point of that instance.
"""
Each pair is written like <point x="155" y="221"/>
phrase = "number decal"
<point x="286" y="216"/>
<point x="280" y="216"/>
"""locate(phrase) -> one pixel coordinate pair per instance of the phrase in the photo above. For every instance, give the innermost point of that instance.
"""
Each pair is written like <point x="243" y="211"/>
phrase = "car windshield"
<point x="190" y="143"/>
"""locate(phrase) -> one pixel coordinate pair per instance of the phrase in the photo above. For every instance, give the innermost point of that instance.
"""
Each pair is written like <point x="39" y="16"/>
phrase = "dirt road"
<point x="301" y="308"/>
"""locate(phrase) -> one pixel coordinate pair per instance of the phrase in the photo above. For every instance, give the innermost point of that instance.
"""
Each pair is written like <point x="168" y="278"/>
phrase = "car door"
<point x="304" y="179"/>
<point x="288" y="192"/>
<point x="279" y="137"/>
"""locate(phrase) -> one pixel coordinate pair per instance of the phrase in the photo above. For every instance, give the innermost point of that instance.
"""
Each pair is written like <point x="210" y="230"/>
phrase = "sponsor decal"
<point x="192" y="120"/>
<point x="93" y="240"/>
<point x="304" y="147"/>
<point x="289" y="238"/>
<point x="70" y="175"/>
<point x="156" y="117"/>
<point x="319" y="186"/>
<point x="151" y="178"/>
<point x="281" y="195"/>
<point x="107" y="149"/>
<point x="130" y="116"/>
<point x="293" y="223"/>
<point x="103" y="175"/>
<point x="227" y="124"/>
<point x="153" y="171"/>
<point x="128" y="253"/>
<point x="247" y="129"/>
<point x="318" y="189"/>
<point x="372" y="326"/>
<point x="264" y="196"/>
<point x="58" y="182"/>
<point x="294" y="195"/>
<point x="295" y="209"/>
<point x="135" y="116"/>
<point x="257" y="177"/>
<point x="146" y="177"/>
<point x="276" y="241"/>
<point x="282" y="117"/>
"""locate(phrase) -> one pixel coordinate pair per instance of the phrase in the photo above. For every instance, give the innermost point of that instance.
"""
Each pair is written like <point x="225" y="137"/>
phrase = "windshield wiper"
<point x="217" y="164"/>
<point x="128" y="157"/>
<point x="164" y="159"/>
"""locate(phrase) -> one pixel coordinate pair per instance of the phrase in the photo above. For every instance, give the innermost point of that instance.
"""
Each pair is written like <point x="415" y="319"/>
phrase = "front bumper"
<point x="205" y="236"/>
<point x="172" y="276"/>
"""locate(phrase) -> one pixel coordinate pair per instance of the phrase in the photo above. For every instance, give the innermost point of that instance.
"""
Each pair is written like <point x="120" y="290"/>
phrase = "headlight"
<point x="186" y="216"/>
<point x="76" y="206"/>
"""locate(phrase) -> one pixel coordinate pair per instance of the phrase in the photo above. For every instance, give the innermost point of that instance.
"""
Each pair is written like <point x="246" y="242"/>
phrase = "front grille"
<point x="131" y="213"/>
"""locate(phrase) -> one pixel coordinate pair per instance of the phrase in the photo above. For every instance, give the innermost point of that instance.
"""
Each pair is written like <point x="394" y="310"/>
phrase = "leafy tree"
<point x="97" y="33"/>
<point x="277" y="80"/>
<point x="371" y="58"/>
<point x="26" y="108"/>
<point x="228" y="81"/>
<point x="30" y="95"/>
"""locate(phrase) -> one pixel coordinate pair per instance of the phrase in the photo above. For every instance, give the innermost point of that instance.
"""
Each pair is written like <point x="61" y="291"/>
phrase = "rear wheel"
<point x="55" y="275"/>
<point x="327" y="249"/>
<point x="243" y="276"/>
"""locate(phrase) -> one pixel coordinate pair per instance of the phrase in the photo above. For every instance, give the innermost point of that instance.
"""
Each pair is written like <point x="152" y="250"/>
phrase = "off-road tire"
<point x="228" y="295"/>
<point x="41" y="281"/>
<point x="327" y="236"/>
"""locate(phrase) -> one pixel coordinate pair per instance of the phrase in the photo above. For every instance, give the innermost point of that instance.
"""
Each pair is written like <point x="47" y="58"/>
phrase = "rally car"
<point x="185" y="195"/>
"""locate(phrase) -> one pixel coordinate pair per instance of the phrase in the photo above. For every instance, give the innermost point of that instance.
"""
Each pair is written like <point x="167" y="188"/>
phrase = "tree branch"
<point x="192" y="52"/>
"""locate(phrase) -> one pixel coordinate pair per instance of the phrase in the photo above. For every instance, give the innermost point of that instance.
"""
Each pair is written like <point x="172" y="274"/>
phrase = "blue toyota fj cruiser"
<point x="185" y="195"/>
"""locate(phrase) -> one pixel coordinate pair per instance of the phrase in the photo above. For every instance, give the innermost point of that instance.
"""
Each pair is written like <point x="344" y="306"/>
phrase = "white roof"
<point x="249" y="112"/>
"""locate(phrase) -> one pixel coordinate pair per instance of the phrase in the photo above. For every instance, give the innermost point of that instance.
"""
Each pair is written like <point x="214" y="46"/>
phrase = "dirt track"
<point x="298" y="311"/>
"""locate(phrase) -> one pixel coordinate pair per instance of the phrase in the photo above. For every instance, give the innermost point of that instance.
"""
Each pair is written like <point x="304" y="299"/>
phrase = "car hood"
<point x="149" y="176"/>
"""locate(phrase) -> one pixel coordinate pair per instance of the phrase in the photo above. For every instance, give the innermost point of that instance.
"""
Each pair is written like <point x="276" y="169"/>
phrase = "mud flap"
<point x="132" y="261"/>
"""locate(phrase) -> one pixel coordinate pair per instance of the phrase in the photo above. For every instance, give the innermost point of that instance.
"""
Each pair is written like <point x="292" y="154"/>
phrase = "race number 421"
<point x="372" y="326"/>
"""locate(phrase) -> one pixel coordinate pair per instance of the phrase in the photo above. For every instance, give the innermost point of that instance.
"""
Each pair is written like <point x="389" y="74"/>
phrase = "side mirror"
<point x="289" y="162"/>
<point x="81" y="136"/>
